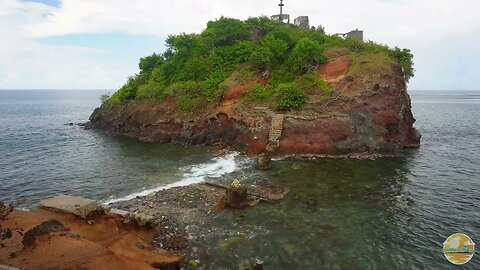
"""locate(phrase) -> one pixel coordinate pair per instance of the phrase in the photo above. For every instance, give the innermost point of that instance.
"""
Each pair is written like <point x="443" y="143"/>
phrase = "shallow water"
<point x="340" y="214"/>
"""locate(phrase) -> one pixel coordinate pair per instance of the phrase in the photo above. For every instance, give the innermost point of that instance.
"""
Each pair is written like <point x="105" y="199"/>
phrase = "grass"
<point x="369" y="64"/>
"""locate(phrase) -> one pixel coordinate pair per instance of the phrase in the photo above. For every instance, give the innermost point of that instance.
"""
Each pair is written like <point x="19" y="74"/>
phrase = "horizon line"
<point x="112" y="89"/>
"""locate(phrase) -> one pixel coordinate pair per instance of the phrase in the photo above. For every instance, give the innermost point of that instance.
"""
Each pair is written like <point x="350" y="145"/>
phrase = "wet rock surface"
<point x="236" y="195"/>
<point x="80" y="207"/>
<point x="170" y="229"/>
<point x="183" y="213"/>
<point x="264" y="161"/>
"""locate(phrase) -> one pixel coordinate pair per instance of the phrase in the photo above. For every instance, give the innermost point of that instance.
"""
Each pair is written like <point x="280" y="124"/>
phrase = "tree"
<point x="104" y="98"/>
<point x="321" y="29"/>
<point x="405" y="59"/>
<point x="226" y="31"/>
<point x="182" y="43"/>
<point x="269" y="53"/>
<point x="262" y="58"/>
<point x="264" y="23"/>
<point x="287" y="35"/>
<point x="148" y="63"/>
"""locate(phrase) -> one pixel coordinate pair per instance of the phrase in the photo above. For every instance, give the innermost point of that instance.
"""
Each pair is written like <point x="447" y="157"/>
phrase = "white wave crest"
<point x="196" y="174"/>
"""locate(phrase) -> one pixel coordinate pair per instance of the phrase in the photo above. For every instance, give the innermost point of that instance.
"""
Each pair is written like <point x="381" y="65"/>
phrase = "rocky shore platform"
<point x="164" y="230"/>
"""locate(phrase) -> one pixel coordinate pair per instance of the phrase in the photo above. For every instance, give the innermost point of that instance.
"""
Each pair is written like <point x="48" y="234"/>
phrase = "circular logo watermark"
<point x="459" y="248"/>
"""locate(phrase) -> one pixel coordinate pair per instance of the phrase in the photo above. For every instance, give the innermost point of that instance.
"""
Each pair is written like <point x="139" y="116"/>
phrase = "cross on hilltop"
<point x="281" y="5"/>
<point x="303" y="22"/>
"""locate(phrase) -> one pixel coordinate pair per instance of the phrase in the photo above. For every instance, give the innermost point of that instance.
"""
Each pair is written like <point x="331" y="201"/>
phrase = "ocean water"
<point x="340" y="214"/>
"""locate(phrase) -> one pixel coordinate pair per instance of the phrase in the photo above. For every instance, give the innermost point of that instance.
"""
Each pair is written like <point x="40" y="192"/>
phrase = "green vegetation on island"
<point x="197" y="69"/>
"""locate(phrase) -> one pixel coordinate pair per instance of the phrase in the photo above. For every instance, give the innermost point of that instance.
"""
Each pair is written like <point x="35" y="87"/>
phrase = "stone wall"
<point x="283" y="18"/>
<point x="356" y="34"/>
<point x="302" y="22"/>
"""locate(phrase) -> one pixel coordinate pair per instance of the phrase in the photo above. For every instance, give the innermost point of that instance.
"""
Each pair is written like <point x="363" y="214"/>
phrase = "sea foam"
<point x="218" y="167"/>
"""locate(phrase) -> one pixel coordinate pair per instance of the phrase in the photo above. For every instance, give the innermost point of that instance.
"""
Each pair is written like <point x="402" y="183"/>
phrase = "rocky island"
<point x="260" y="87"/>
<point x="263" y="86"/>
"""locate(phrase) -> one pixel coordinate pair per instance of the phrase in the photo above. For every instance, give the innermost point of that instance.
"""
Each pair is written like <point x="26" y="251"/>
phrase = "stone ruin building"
<point x="281" y="17"/>
<point x="355" y="34"/>
<point x="303" y="22"/>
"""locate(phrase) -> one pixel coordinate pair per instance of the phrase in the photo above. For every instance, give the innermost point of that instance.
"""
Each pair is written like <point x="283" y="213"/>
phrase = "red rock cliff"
<point x="363" y="113"/>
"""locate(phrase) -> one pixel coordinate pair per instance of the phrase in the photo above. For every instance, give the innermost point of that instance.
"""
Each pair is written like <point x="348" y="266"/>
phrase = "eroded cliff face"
<point x="364" y="113"/>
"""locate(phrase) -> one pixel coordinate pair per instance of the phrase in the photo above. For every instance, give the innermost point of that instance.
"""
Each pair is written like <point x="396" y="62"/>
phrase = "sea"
<point x="388" y="213"/>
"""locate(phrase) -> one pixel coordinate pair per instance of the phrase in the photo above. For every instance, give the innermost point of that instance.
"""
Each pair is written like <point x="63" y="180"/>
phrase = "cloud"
<point x="442" y="34"/>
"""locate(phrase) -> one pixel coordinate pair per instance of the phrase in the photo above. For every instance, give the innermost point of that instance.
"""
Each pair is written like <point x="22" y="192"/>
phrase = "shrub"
<point x="191" y="104"/>
<point x="151" y="91"/>
<point x="242" y="51"/>
<point x="287" y="35"/>
<point x="405" y="59"/>
<point x="310" y="82"/>
<point x="244" y="74"/>
<point x="355" y="45"/>
<point x="306" y="56"/>
<point x="277" y="46"/>
<point x="104" y="98"/>
<point x="282" y="75"/>
<point x="188" y="95"/>
<point x="290" y="96"/>
<point x="226" y="31"/>
<point x="155" y="88"/>
<point x="210" y="86"/>
<point x="128" y="91"/>
<point x="188" y="88"/>
<point x="321" y="29"/>
<point x="262" y="58"/>
<point x="259" y="93"/>
<point x="264" y="23"/>
<point x="269" y="53"/>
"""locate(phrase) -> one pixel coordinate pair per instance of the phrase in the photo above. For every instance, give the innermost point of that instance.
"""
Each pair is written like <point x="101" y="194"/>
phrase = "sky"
<point x="96" y="44"/>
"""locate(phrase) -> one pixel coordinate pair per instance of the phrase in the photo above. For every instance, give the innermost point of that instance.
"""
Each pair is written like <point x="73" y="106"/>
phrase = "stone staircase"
<point x="275" y="132"/>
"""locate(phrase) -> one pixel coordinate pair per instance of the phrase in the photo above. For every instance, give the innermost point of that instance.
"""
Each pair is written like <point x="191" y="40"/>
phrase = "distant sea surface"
<point x="340" y="214"/>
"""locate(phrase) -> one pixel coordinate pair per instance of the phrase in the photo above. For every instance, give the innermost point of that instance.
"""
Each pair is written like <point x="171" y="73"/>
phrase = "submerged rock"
<point x="264" y="161"/>
<point x="86" y="126"/>
<point x="236" y="195"/>
<point x="253" y="264"/>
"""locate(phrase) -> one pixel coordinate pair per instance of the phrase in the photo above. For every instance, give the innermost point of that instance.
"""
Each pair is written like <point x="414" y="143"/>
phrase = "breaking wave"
<point x="196" y="174"/>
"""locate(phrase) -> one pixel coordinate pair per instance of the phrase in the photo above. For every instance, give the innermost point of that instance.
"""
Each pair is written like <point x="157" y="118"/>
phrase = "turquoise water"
<point x="340" y="214"/>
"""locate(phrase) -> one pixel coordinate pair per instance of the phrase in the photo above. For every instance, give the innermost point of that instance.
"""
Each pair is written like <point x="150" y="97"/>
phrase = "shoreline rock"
<point x="164" y="230"/>
<point x="69" y="232"/>
<point x="184" y="213"/>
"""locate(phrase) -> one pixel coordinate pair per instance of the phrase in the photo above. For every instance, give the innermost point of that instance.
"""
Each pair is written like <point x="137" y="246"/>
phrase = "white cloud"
<point x="442" y="34"/>
<point x="27" y="63"/>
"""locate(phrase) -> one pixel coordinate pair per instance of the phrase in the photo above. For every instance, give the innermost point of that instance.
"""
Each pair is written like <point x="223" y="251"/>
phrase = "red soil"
<point x="335" y="69"/>
<point x="108" y="243"/>
<point x="232" y="96"/>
